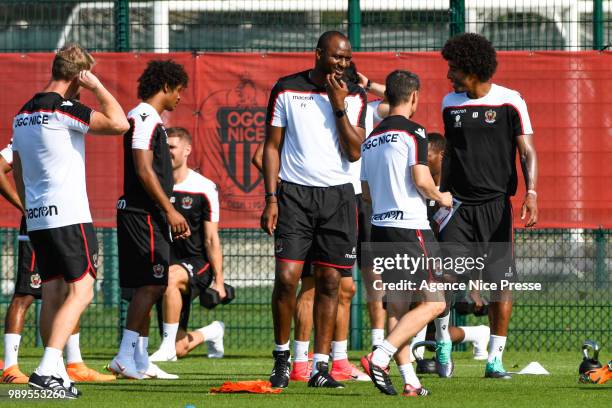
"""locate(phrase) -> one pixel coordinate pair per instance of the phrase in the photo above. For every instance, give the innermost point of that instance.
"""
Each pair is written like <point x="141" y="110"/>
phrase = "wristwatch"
<point x="340" y="113"/>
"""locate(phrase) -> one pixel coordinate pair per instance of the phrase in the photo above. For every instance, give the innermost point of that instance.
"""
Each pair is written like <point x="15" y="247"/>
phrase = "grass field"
<point x="466" y="389"/>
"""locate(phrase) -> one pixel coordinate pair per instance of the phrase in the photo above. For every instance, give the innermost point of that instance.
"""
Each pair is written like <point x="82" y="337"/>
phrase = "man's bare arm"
<point x="529" y="164"/>
<point x="212" y="245"/>
<point x="143" y="164"/>
<point x="350" y="136"/>
<point x="18" y="176"/>
<point x="6" y="188"/>
<point x="257" y="159"/>
<point x="271" y="167"/>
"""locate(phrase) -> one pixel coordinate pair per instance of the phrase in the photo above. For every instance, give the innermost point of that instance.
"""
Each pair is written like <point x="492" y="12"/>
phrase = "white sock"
<point x="50" y="360"/>
<point x="409" y="376"/>
<point x="315" y="359"/>
<point x="214" y="330"/>
<point x="169" y="341"/>
<point x="11" y="349"/>
<point x="378" y="336"/>
<point x="300" y="350"/>
<point x="72" y="349"/>
<point x="61" y="371"/>
<point x="496" y="347"/>
<point x="471" y="333"/>
<point x="383" y="354"/>
<point x="420" y="336"/>
<point x="277" y="347"/>
<point x="141" y="354"/>
<point x="128" y="344"/>
<point x="442" y="333"/>
<point x="339" y="350"/>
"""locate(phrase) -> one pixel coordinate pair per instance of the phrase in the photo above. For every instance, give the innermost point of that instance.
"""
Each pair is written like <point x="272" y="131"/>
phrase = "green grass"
<point x="466" y="389"/>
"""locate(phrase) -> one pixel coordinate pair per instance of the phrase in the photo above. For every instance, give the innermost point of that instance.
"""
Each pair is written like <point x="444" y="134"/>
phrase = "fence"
<point x="554" y="322"/>
<point x="294" y="25"/>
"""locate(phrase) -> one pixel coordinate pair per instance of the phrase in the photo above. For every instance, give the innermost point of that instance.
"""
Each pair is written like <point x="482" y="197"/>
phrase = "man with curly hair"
<point x="146" y="219"/>
<point x="484" y="125"/>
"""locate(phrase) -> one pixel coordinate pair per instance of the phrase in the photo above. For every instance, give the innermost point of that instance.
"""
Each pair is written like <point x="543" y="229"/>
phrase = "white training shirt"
<point x="49" y="135"/>
<point x="311" y="154"/>
<point x="371" y="121"/>
<point x="387" y="156"/>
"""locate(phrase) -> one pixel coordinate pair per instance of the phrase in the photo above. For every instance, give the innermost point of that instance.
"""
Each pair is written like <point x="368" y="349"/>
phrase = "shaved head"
<point x="326" y="37"/>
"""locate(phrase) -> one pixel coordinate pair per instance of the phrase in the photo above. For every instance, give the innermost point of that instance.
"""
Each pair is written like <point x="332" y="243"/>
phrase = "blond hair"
<point x="69" y="61"/>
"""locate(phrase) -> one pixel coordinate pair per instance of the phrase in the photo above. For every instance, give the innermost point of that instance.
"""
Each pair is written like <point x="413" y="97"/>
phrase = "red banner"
<point x="568" y="95"/>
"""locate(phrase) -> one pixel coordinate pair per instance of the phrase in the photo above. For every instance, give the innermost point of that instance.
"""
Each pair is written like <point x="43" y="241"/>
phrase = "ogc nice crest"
<point x="241" y="130"/>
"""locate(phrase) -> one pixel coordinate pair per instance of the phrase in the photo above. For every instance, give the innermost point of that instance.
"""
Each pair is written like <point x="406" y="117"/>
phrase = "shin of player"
<point x="196" y="262"/>
<point x="49" y="146"/>
<point x="146" y="219"/>
<point x="398" y="146"/>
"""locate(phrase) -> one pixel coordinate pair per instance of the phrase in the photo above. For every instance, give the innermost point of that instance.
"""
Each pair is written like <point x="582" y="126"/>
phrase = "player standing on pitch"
<point x="319" y="120"/>
<point x="195" y="261"/>
<point x="28" y="288"/>
<point x="146" y="219"/>
<point x="396" y="178"/>
<point x="49" y="166"/>
<point x="484" y="125"/>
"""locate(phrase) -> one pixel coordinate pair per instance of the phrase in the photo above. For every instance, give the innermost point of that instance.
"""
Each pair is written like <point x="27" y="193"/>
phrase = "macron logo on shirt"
<point x="420" y="132"/>
<point x="66" y="103"/>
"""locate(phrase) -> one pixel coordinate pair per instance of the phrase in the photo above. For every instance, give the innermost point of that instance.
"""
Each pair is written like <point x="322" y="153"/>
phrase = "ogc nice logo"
<point x="241" y="130"/>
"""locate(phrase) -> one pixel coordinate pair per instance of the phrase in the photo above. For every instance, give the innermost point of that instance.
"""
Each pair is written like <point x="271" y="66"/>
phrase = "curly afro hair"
<point x="473" y="54"/>
<point x="159" y="74"/>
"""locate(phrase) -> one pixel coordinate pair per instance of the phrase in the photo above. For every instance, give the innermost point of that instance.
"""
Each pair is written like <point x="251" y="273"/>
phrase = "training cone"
<point x="534" y="368"/>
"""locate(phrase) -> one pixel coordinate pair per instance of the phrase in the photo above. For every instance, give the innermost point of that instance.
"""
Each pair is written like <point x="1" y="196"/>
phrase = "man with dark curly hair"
<point x="484" y="125"/>
<point x="146" y="219"/>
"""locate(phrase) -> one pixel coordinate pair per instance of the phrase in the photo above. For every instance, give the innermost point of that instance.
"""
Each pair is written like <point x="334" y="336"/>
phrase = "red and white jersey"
<point x="49" y="136"/>
<point x="311" y="154"/>
<point x="387" y="156"/>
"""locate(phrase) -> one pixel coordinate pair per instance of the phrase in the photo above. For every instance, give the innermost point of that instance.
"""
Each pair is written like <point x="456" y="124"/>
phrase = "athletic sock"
<point x="300" y="350"/>
<point x="11" y="349"/>
<point x="383" y="354"/>
<point x="128" y="344"/>
<point x="141" y="354"/>
<point x="72" y="349"/>
<point x="277" y="347"/>
<point x="420" y="336"/>
<point x="317" y="358"/>
<point x="61" y="371"/>
<point x="339" y="350"/>
<point x="442" y="333"/>
<point x="378" y="336"/>
<point x="50" y="360"/>
<point x="409" y="376"/>
<point x="471" y="333"/>
<point x="169" y="341"/>
<point x="214" y="330"/>
<point x="496" y="347"/>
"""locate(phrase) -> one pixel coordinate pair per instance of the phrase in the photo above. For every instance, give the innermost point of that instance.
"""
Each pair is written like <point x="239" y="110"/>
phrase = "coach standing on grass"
<point x="49" y="165"/>
<point x="146" y="220"/>
<point x="319" y="120"/>
<point x="484" y="124"/>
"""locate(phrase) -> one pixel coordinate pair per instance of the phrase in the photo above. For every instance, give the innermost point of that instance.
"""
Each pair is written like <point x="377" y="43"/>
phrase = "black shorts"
<point x="484" y="230"/>
<point x="200" y="278"/>
<point x="320" y="221"/>
<point x="144" y="249"/>
<point x="70" y="252"/>
<point x="308" y="270"/>
<point x="28" y="279"/>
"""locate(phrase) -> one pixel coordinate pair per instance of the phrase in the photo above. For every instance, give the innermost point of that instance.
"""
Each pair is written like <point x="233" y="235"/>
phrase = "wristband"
<point x="368" y="85"/>
<point x="268" y="195"/>
<point x="532" y="192"/>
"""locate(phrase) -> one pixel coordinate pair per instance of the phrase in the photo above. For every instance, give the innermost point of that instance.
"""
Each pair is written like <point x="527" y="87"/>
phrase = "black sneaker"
<point x="49" y="382"/>
<point x="379" y="375"/>
<point x="280" y="373"/>
<point x="322" y="378"/>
